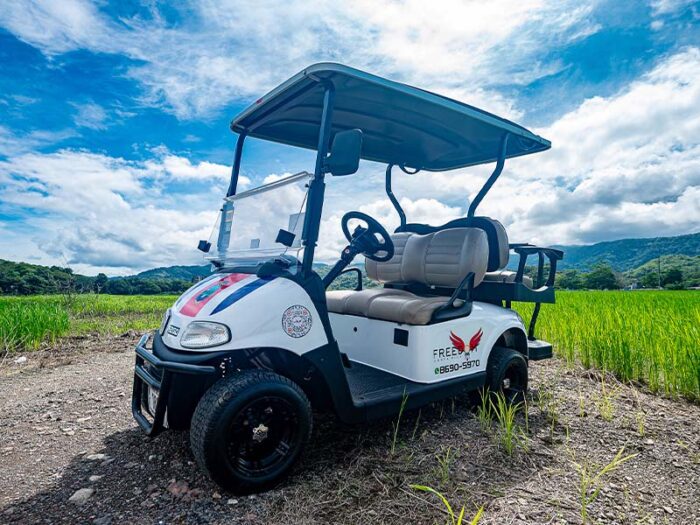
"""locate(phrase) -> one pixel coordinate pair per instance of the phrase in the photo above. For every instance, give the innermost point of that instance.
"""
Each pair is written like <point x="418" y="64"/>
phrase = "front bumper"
<point x="154" y="376"/>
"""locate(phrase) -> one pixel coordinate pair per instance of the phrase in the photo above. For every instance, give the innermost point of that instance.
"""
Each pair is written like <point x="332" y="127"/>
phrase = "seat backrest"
<point x="495" y="234"/>
<point x="497" y="239"/>
<point x="441" y="258"/>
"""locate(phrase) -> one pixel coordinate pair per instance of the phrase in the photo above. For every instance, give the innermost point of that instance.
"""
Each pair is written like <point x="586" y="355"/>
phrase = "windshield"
<point x="253" y="220"/>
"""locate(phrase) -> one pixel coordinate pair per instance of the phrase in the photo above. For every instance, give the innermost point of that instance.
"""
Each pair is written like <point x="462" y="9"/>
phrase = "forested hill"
<point x="627" y="254"/>
<point x="176" y="272"/>
<point x="622" y="255"/>
<point x="28" y="279"/>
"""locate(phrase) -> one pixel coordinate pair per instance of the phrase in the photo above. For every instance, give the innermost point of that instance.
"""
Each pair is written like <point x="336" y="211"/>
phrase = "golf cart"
<point x="243" y="356"/>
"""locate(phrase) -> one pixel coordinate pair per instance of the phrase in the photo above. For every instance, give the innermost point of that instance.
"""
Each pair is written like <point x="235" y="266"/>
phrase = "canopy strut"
<point x="317" y="187"/>
<point x="496" y="173"/>
<point x="235" y="170"/>
<point x="392" y="197"/>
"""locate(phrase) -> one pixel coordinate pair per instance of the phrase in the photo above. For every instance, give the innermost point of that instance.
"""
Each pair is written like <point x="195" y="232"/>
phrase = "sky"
<point x="115" y="147"/>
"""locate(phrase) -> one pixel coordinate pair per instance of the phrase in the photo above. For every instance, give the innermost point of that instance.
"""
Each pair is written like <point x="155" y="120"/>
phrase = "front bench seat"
<point x="441" y="258"/>
<point x="499" y="249"/>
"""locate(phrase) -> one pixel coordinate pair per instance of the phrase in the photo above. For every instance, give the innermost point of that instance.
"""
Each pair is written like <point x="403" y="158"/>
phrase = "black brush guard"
<point x="151" y="371"/>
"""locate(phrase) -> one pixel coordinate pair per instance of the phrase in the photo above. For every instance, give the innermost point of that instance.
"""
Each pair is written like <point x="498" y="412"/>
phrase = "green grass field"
<point x="27" y="322"/>
<point x="643" y="336"/>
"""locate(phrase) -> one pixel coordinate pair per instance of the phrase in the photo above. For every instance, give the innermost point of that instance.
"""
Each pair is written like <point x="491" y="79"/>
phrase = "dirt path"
<point x="69" y="427"/>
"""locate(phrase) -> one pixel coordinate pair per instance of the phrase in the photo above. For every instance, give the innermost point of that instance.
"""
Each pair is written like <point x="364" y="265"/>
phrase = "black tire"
<point x="249" y="429"/>
<point x="506" y="373"/>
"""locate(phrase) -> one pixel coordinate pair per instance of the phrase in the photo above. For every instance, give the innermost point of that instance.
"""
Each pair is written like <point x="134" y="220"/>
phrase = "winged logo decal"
<point x="461" y="346"/>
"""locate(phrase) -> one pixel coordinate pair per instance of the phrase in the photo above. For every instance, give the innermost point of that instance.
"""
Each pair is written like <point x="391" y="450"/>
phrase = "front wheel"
<point x="248" y="430"/>
<point x="506" y="373"/>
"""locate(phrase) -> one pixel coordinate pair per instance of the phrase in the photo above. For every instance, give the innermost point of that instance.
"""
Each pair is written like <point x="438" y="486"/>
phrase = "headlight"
<point x="203" y="334"/>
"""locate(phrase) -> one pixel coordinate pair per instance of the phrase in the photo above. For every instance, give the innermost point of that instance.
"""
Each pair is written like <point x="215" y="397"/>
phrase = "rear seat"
<point x="507" y="276"/>
<point x="499" y="251"/>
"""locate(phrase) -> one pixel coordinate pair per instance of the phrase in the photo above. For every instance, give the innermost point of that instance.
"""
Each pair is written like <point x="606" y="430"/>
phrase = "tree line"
<point x="32" y="279"/>
<point x="603" y="277"/>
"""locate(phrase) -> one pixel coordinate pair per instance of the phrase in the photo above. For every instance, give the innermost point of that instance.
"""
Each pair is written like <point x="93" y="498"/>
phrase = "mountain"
<point x="626" y="254"/>
<point x="622" y="255"/>
<point x="187" y="273"/>
<point x="648" y="274"/>
<point x="29" y="279"/>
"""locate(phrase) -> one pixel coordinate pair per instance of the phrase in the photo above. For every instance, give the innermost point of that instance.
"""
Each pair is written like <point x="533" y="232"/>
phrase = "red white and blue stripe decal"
<point x="239" y="294"/>
<point x="198" y="300"/>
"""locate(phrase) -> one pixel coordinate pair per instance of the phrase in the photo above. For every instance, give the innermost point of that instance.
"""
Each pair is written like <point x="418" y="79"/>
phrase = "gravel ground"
<point x="71" y="453"/>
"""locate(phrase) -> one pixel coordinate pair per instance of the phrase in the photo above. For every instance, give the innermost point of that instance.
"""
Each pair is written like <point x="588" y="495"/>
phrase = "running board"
<point x="377" y="394"/>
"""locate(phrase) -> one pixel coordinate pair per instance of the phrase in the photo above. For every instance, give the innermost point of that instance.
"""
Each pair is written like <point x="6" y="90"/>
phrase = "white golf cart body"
<point x="427" y="353"/>
<point x="442" y="302"/>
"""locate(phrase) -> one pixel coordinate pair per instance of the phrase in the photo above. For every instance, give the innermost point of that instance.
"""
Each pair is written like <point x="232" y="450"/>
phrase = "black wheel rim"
<point x="514" y="383"/>
<point x="263" y="436"/>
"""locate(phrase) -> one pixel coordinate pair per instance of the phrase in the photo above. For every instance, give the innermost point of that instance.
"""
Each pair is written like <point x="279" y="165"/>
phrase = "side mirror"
<point x="345" y="153"/>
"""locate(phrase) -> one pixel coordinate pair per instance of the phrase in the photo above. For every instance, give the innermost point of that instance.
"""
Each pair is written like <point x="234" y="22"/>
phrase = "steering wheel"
<point x="364" y="239"/>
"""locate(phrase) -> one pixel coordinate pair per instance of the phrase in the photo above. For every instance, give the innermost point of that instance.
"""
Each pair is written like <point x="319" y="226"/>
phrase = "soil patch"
<point x="71" y="453"/>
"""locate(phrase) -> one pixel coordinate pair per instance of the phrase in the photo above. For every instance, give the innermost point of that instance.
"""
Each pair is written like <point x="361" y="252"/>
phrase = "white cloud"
<point x="12" y="144"/>
<point x="99" y="212"/>
<point x="666" y="7"/>
<point x="622" y="166"/>
<point x="181" y="168"/>
<point x="627" y="165"/>
<point x="90" y="115"/>
<point x="225" y="50"/>
<point x="56" y="27"/>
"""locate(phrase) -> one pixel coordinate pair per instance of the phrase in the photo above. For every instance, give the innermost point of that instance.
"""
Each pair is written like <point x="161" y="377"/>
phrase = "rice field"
<point x="646" y="336"/>
<point x="28" y="322"/>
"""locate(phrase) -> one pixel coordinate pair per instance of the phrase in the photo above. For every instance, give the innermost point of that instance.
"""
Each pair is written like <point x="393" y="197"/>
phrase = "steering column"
<point x="371" y="240"/>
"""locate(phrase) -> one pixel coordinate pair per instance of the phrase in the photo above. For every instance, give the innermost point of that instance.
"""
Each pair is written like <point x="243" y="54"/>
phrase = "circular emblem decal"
<point x="296" y="321"/>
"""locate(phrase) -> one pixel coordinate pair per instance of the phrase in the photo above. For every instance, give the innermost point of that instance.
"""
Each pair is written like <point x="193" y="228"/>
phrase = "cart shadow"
<point x="147" y="480"/>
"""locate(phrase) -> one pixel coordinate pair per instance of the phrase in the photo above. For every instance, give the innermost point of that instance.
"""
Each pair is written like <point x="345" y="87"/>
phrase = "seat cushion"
<point x="386" y="304"/>
<point x="506" y="276"/>
<point x="357" y="302"/>
<point x="335" y="300"/>
<point x="410" y="309"/>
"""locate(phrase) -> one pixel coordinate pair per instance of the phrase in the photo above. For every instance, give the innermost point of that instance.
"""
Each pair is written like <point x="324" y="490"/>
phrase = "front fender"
<point x="268" y="312"/>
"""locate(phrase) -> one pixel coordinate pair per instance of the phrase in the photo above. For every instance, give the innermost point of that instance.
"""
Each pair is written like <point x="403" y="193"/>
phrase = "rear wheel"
<point x="249" y="429"/>
<point x="506" y="373"/>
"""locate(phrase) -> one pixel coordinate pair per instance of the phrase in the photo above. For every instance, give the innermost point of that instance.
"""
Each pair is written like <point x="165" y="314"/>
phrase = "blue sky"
<point x="114" y="139"/>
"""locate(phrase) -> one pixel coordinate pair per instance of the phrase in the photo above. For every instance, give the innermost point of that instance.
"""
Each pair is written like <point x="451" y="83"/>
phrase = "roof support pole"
<point x="224" y="236"/>
<point x="236" y="168"/>
<point x="392" y="197"/>
<point x="490" y="181"/>
<point x="317" y="186"/>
